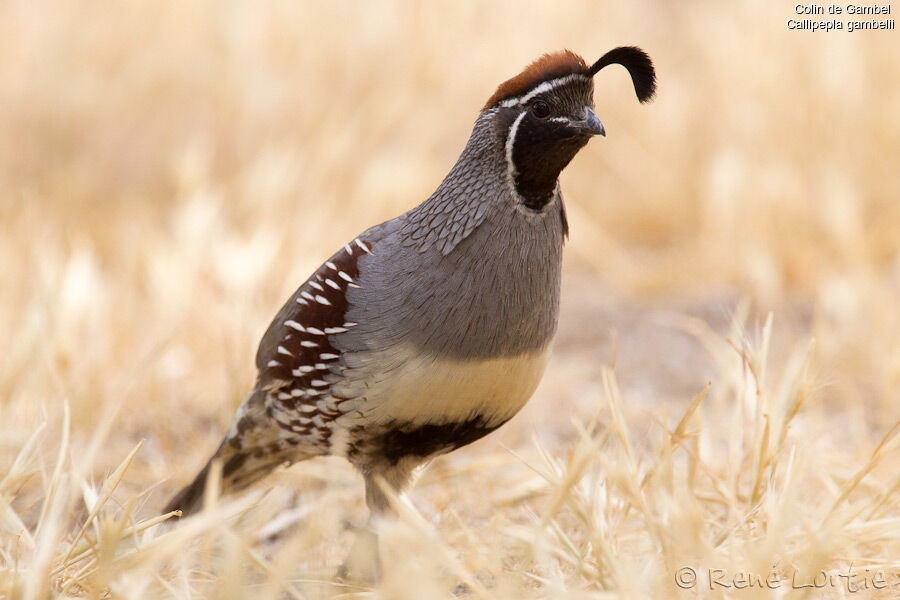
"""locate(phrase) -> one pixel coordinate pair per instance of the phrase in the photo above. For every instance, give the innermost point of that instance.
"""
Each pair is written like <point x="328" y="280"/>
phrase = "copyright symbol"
<point x="686" y="578"/>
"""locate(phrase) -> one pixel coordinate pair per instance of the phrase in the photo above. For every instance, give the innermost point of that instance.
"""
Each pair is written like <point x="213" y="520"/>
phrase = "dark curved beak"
<point x="591" y="123"/>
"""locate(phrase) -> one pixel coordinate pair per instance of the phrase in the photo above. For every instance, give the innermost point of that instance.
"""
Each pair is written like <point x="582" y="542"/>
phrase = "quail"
<point x="431" y="330"/>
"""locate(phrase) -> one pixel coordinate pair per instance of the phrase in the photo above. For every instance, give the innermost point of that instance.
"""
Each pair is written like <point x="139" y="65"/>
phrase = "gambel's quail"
<point x="431" y="330"/>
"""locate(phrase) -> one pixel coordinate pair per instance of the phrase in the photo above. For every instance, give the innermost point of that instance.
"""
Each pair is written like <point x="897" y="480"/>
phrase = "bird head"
<point x="545" y="115"/>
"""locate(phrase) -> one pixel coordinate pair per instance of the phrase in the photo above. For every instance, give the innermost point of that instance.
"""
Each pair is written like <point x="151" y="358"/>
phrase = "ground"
<point x="718" y="416"/>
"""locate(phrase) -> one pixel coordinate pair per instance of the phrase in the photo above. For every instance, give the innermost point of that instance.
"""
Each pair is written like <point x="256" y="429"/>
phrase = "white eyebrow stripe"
<point x="544" y="87"/>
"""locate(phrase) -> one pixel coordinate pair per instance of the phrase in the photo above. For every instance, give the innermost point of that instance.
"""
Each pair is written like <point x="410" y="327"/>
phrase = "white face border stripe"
<point x="544" y="87"/>
<point x="510" y="142"/>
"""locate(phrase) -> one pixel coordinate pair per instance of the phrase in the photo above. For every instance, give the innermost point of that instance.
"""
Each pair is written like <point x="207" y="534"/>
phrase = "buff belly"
<point x="423" y="405"/>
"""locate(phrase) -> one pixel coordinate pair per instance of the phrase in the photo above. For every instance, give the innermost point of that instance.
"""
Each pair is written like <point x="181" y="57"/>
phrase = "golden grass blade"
<point x="106" y="491"/>
<point x="885" y="447"/>
<point x="161" y="196"/>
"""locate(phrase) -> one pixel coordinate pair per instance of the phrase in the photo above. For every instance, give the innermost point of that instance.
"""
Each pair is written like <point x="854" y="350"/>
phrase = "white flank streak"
<point x="350" y="324"/>
<point x="307" y="295"/>
<point x="353" y="285"/>
<point x="330" y="283"/>
<point x="302" y="301"/>
<point x="318" y="383"/>
<point x="308" y="344"/>
<point x="363" y="246"/>
<point x="348" y="249"/>
<point x="345" y="277"/>
<point x="283" y="350"/>
<point x="322" y="300"/>
<point x="300" y="371"/>
<point x="330" y="265"/>
<point x="317" y="286"/>
<point x="321" y="366"/>
<point x="294" y="325"/>
<point x="284" y="396"/>
<point x="544" y="87"/>
<point x="328" y="356"/>
<point x="273" y="363"/>
<point x="330" y="330"/>
<point x="315" y="331"/>
<point x="296" y="392"/>
<point x="308" y="408"/>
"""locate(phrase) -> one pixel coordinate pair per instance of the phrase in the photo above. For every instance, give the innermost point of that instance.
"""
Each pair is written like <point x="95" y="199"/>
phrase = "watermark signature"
<point x="851" y="579"/>
<point x="837" y="17"/>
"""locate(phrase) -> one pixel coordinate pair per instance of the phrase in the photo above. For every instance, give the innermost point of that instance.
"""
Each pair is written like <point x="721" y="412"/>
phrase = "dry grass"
<point x="170" y="171"/>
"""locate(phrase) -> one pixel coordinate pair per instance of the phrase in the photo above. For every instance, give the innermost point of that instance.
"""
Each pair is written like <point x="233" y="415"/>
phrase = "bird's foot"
<point x="363" y="562"/>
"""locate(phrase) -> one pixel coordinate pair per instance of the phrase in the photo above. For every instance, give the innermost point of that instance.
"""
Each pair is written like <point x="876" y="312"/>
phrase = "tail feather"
<point x="254" y="446"/>
<point x="240" y="468"/>
<point x="188" y="499"/>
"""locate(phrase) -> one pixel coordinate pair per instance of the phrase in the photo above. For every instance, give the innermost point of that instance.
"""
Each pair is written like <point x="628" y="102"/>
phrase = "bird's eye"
<point x="540" y="109"/>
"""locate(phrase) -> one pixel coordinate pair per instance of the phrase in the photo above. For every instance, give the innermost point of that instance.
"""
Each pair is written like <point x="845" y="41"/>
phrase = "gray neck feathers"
<point x="468" y="274"/>
<point x="462" y="201"/>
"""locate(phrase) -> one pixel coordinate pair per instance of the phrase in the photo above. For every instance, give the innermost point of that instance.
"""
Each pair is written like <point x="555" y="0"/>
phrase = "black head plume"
<point x="639" y="66"/>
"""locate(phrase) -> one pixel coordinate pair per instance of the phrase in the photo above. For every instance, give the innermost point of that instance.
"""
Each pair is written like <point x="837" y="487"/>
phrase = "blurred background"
<point x="171" y="171"/>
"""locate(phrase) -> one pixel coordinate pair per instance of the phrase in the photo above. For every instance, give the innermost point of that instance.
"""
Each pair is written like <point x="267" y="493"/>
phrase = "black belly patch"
<point x="399" y="440"/>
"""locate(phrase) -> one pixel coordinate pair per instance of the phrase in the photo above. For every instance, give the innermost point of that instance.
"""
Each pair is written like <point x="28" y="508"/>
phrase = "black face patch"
<point x="400" y="440"/>
<point x="545" y="141"/>
<point x="542" y="148"/>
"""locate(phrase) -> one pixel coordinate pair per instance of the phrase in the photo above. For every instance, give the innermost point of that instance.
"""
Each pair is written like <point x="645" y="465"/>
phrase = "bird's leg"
<point x="363" y="562"/>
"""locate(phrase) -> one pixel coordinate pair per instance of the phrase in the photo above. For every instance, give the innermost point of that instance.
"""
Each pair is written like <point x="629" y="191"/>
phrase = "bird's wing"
<point x="297" y="359"/>
<point x="300" y="334"/>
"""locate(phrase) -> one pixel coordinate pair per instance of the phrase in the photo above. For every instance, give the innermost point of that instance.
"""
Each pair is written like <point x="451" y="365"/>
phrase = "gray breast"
<point x="496" y="294"/>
